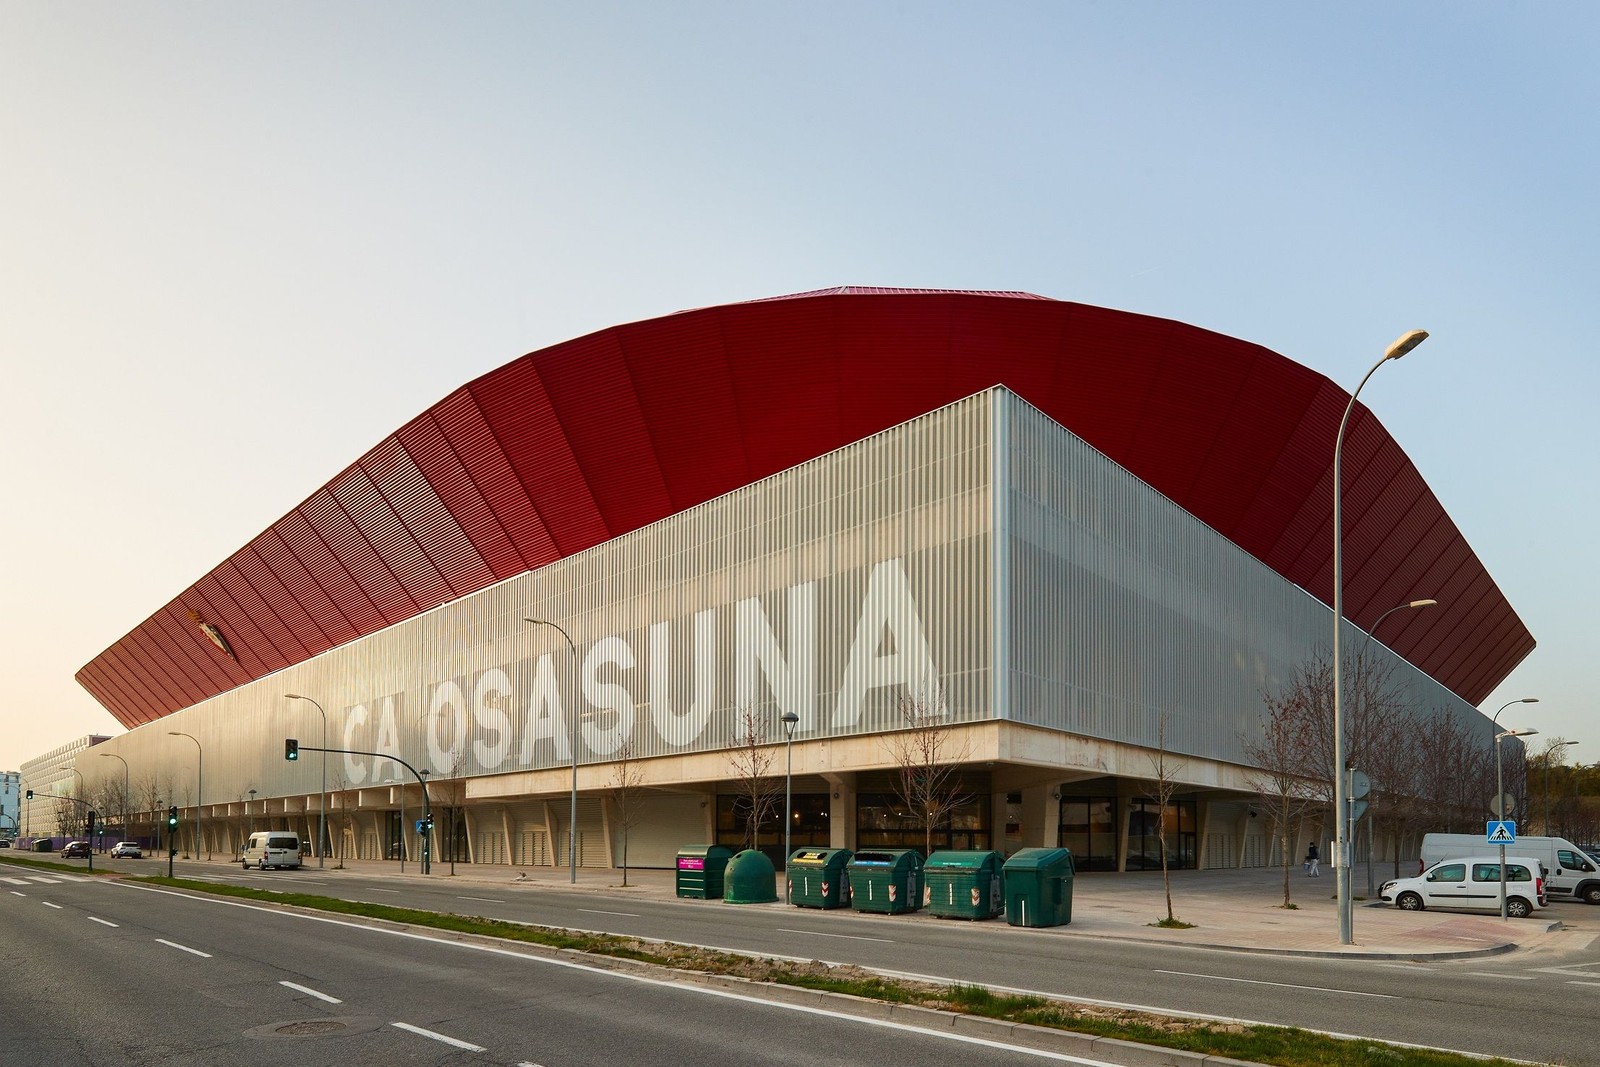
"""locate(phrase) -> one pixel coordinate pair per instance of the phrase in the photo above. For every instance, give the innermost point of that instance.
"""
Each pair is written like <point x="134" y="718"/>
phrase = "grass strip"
<point x="1274" y="1045"/>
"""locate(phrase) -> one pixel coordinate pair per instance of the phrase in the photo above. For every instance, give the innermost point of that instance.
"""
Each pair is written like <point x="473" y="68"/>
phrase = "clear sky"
<point x="240" y="244"/>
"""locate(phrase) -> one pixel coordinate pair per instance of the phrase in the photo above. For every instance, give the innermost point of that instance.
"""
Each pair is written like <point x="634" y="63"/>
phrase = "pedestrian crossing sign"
<point x="1502" y="832"/>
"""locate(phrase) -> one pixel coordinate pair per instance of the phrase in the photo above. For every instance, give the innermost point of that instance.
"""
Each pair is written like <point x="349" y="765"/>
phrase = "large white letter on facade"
<point x="355" y="718"/>
<point x="888" y="608"/>
<point x="544" y="716"/>
<point x="679" y="729"/>
<point x="490" y="697"/>
<point x="448" y="708"/>
<point x="608" y="696"/>
<point x="793" y="680"/>
<point x="388" y="742"/>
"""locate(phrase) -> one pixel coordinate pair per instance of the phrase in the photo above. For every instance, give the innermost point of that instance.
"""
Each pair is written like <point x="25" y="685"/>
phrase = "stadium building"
<point x="1078" y="535"/>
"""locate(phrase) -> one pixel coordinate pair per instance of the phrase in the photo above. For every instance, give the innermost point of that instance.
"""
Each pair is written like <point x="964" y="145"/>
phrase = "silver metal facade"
<point x="833" y="590"/>
<point x="1125" y="609"/>
<point x="889" y="569"/>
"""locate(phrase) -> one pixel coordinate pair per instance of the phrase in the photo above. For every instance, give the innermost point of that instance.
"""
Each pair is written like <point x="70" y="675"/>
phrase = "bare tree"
<point x="1278" y="777"/>
<point x="66" y="818"/>
<point x="1163" y="785"/>
<point x="758" y="788"/>
<point x="454" y="785"/>
<point x="627" y="777"/>
<point x="151" y="794"/>
<point x="929" y="758"/>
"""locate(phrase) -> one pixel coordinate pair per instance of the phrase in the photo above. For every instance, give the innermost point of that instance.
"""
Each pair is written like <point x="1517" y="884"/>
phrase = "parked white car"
<point x="1473" y="883"/>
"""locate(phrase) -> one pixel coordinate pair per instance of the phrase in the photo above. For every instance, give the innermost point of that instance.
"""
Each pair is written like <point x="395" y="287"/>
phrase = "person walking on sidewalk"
<point x="1313" y="862"/>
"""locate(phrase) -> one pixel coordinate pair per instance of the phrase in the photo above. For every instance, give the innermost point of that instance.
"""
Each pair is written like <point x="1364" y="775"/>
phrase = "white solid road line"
<point x="487" y="900"/>
<point x="182" y="948"/>
<point x="1281" y="985"/>
<point x="469" y="1046"/>
<point x="849" y="937"/>
<point x="1576" y="982"/>
<point x="1496" y="974"/>
<point x="370" y="890"/>
<point x="312" y="992"/>
<point x="47" y="904"/>
<point x="104" y="922"/>
<point x="592" y="911"/>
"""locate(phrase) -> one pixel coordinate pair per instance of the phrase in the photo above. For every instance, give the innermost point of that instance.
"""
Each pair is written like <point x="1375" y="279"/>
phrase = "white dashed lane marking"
<point x="456" y="1042"/>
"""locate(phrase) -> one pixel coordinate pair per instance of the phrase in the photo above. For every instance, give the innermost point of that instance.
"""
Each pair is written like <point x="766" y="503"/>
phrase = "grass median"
<point x="1281" y="1046"/>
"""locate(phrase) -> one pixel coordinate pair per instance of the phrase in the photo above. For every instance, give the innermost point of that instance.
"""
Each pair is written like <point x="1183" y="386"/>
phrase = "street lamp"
<point x="127" y="797"/>
<point x="1499" y="796"/>
<point x="199" y="787"/>
<point x="1548" y="756"/>
<point x="1405" y="343"/>
<point x="790" y="720"/>
<point x="250" y="815"/>
<point x="322" y="803"/>
<point x="572" y="719"/>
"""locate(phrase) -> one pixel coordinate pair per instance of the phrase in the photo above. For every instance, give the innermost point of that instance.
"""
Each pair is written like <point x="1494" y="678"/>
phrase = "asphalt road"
<point x="115" y="974"/>
<point x="1524" y="1006"/>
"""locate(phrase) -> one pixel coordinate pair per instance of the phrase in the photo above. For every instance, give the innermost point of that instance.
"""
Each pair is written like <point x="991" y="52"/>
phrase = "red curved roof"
<point x="573" y="445"/>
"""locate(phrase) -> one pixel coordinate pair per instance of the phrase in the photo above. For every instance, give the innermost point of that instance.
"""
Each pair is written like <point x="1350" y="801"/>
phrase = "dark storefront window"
<point x="1089" y="832"/>
<point x="808" y="826"/>
<point x="882" y="822"/>
<point x="1144" y="846"/>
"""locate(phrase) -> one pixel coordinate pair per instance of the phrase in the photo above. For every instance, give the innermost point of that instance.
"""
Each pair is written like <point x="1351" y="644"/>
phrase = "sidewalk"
<point x="1237" y="909"/>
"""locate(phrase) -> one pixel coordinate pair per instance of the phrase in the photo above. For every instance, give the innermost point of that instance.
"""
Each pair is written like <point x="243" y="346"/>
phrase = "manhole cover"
<point x="311" y="1028"/>
<point x="332" y="1026"/>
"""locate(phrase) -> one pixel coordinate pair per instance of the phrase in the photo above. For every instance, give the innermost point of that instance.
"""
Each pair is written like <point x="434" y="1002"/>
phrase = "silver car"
<point x="127" y="848"/>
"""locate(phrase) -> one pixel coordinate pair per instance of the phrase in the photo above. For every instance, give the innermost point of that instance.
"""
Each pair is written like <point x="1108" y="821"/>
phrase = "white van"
<point x="1570" y="873"/>
<point x="1472" y="882"/>
<point x="272" y="848"/>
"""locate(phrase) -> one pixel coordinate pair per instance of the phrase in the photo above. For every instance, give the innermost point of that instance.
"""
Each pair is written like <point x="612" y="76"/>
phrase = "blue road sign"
<point x="1502" y="832"/>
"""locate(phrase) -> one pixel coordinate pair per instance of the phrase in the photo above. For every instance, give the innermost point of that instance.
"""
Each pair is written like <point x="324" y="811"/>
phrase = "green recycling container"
<point x="1038" y="885"/>
<point x="817" y="878"/>
<point x="750" y="879"/>
<point x="886" y="880"/>
<point x="700" y="870"/>
<point x="964" y="885"/>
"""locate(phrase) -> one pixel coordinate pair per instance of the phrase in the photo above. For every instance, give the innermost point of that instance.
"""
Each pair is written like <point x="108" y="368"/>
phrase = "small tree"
<point x="758" y="788"/>
<point x="1277" y="756"/>
<point x="929" y="759"/>
<point x="626" y="779"/>
<point x="1163" y="786"/>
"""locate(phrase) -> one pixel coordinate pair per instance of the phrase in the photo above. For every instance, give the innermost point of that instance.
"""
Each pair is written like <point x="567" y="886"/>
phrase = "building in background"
<point x="53" y="778"/>
<point x="10" y="804"/>
<point x="1080" y="537"/>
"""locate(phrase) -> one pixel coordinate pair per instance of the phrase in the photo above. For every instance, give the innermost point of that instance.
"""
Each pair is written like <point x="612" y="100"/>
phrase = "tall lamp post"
<point x="322" y="803"/>
<point x="572" y="719"/>
<point x="1499" y="800"/>
<point x="1548" y="756"/>
<point x="127" y="797"/>
<point x="199" y="787"/>
<point x="1405" y="343"/>
<point x="790" y="721"/>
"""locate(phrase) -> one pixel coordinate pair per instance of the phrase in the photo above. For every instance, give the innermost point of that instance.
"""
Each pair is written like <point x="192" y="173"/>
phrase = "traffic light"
<point x="427" y="823"/>
<point x="90" y="831"/>
<point x="291" y="748"/>
<point x="30" y="794"/>
<point x="172" y="818"/>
